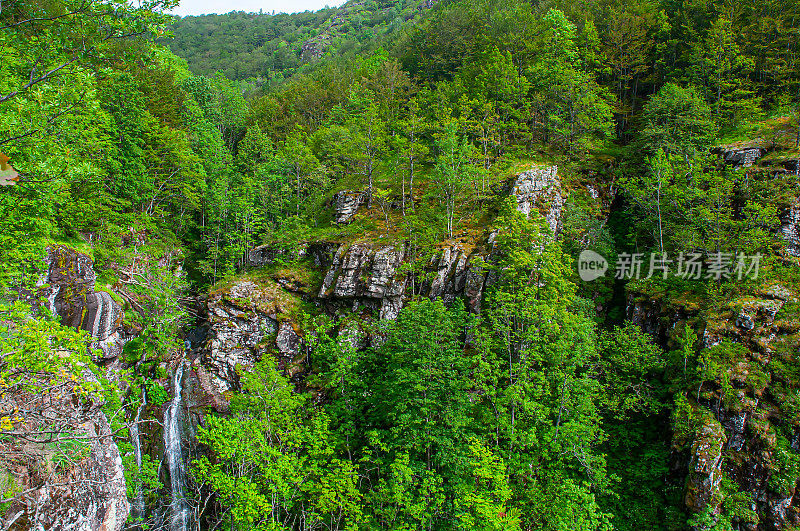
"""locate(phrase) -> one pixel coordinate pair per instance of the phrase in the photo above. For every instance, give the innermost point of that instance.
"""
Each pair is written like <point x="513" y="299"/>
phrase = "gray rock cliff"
<point x="69" y="286"/>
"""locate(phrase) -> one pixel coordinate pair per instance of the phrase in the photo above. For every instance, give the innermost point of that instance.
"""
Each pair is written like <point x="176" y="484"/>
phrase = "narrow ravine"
<point x="138" y="505"/>
<point x="173" y="452"/>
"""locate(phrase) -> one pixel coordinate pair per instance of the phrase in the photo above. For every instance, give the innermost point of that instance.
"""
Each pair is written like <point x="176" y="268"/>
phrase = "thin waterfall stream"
<point x="138" y="503"/>
<point x="173" y="450"/>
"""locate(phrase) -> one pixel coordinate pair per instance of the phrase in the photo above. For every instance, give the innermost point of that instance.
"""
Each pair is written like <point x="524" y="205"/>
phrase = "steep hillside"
<point x="493" y="265"/>
<point x="264" y="46"/>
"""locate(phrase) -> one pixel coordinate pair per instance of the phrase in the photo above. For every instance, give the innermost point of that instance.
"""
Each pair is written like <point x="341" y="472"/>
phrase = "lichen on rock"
<point x="540" y="188"/>
<point x="705" y="466"/>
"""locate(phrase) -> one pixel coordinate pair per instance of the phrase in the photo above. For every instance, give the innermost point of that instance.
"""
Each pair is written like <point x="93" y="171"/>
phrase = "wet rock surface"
<point x="86" y="492"/>
<point x="705" y="467"/>
<point x="790" y="228"/>
<point x="69" y="286"/>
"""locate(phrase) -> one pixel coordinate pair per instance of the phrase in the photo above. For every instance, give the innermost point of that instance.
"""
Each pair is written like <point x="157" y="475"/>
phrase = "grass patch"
<point x="76" y="243"/>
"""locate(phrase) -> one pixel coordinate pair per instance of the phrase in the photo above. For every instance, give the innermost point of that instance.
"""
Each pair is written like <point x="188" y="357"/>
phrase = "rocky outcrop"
<point x="268" y="254"/>
<point x="95" y="497"/>
<point x="659" y="320"/>
<point x="291" y="349"/>
<point x="370" y="277"/>
<point x="790" y="229"/>
<point x="346" y="204"/>
<point x="72" y="484"/>
<point x="238" y="330"/>
<point x="363" y="276"/>
<point x="540" y="189"/>
<point x="249" y="317"/>
<point x="311" y="51"/>
<point x="245" y="321"/>
<point x="705" y="467"/>
<point x="69" y="286"/>
<point x="744" y="409"/>
<point x="456" y="273"/>
<point x="741" y="155"/>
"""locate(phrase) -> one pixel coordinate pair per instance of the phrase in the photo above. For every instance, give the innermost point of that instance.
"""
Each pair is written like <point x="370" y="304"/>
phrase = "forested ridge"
<point x="268" y="47"/>
<point x="324" y="270"/>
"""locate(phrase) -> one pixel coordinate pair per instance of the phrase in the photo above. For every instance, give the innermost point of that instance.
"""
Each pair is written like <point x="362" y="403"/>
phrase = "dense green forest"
<point x="268" y="48"/>
<point x="165" y="151"/>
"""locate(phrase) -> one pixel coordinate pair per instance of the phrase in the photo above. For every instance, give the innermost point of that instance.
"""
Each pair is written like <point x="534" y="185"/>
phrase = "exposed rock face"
<point x="83" y="494"/>
<point x="362" y="275"/>
<point x="741" y="155"/>
<point x="71" y="294"/>
<point x="738" y="436"/>
<point x="540" y="188"/>
<point x="97" y="500"/>
<point x="291" y="350"/>
<point x="86" y="493"/>
<point x="311" y="51"/>
<point x="368" y="276"/>
<point x="705" y="467"/>
<point x="654" y="319"/>
<point x="246" y="321"/>
<point x="790" y="229"/>
<point x="266" y="254"/>
<point x="346" y="205"/>
<point x="237" y="330"/>
<point x="373" y="278"/>
<point x="456" y="273"/>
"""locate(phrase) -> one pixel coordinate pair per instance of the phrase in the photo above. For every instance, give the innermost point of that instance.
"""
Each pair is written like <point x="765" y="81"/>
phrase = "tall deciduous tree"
<point x="455" y="174"/>
<point x="572" y="108"/>
<point x="677" y="121"/>
<point x="543" y="396"/>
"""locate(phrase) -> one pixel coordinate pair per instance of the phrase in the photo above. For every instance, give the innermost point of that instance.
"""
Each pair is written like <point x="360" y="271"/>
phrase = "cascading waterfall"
<point x="138" y="502"/>
<point x="173" y="450"/>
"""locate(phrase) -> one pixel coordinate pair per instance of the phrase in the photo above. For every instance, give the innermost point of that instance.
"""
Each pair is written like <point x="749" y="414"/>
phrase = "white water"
<point x="138" y="503"/>
<point x="173" y="451"/>
<point x="103" y="319"/>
